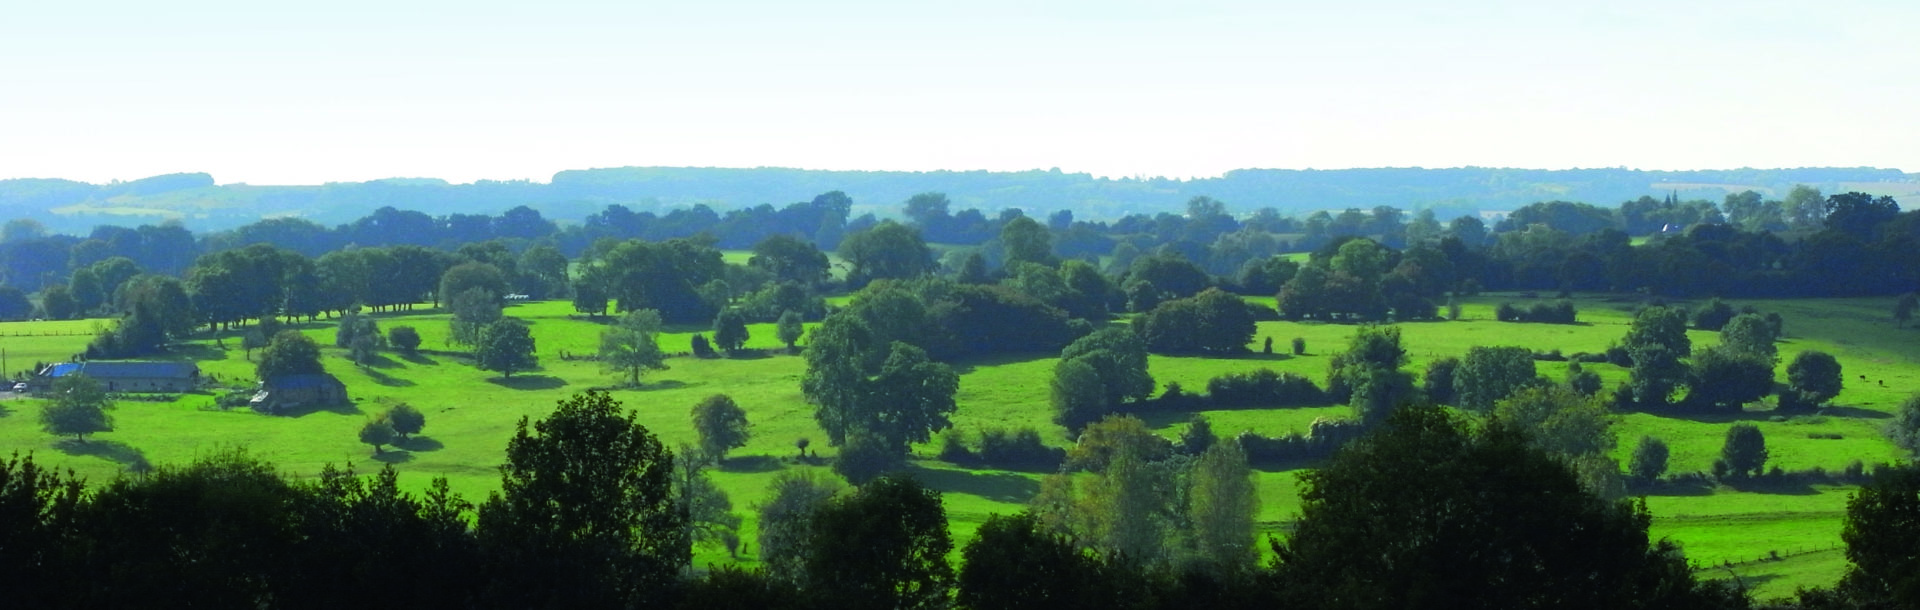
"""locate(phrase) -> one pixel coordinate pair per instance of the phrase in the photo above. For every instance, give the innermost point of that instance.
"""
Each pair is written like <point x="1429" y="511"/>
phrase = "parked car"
<point x="20" y="387"/>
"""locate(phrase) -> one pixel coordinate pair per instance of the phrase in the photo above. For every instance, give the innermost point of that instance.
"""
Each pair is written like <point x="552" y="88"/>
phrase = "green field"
<point x="471" y="414"/>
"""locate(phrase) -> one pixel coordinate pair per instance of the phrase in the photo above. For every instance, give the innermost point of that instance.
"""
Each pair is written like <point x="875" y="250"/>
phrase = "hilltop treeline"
<point x="572" y="195"/>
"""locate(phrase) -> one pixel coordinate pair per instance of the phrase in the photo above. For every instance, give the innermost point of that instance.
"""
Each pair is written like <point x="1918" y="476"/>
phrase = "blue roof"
<point x="124" y="370"/>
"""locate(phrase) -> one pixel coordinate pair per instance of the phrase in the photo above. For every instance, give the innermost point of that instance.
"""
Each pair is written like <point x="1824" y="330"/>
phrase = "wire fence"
<point x="1774" y="555"/>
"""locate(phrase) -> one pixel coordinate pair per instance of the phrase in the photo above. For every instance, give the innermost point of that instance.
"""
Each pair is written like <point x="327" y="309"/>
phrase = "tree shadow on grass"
<point x="114" y="451"/>
<point x="384" y="379"/>
<point x="344" y="408"/>
<point x="381" y="361"/>
<point x="418" y="358"/>
<point x="393" y="457"/>
<point x="1789" y="486"/>
<point x="193" y="352"/>
<point x="529" y="382"/>
<point x="1673" y="488"/>
<point x="419" y="443"/>
<point x="996" y="486"/>
<point x="1853" y="412"/>
<point x="1706" y="416"/>
<point x="664" y="384"/>
<point x="752" y="463"/>
<point x="970" y="363"/>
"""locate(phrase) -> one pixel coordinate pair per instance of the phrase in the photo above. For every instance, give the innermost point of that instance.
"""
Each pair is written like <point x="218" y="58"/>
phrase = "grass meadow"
<point x="472" y="413"/>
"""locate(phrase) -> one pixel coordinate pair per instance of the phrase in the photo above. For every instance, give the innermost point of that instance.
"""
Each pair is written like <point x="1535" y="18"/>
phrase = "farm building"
<point x="278" y="394"/>
<point x="124" y="376"/>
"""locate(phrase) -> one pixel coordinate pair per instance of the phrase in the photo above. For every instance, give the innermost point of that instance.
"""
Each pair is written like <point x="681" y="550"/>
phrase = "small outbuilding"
<point x="278" y="394"/>
<point x="124" y="376"/>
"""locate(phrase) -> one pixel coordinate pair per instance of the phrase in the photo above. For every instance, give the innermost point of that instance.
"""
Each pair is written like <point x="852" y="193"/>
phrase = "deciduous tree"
<point x="79" y="407"/>
<point x="722" y="426"/>
<point x="505" y="346"/>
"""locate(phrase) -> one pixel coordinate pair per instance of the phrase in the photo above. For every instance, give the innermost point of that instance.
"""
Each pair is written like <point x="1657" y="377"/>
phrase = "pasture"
<point x="471" y="414"/>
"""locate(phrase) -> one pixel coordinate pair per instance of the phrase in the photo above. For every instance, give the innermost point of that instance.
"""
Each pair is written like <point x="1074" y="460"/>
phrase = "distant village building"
<point x="132" y="377"/>
<point x="278" y="394"/>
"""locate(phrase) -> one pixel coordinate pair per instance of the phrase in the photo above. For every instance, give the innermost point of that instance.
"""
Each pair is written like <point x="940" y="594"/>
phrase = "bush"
<point x="1322" y="439"/>
<point x="1649" y="460"/>
<point x="702" y="348"/>
<point x="1557" y="312"/>
<point x="1299" y="346"/>
<point x="1263" y="388"/>
<point x="1018" y="450"/>
<point x="1713" y="315"/>
<point x="1552" y="355"/>
<point x="953" y="448"/>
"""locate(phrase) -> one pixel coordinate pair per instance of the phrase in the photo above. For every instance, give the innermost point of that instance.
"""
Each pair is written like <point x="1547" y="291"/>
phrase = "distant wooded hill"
<point x="69" y="206"/>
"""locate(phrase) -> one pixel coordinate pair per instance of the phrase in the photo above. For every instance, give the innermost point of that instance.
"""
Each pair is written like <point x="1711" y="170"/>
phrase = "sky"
<point x="305" y="93"/>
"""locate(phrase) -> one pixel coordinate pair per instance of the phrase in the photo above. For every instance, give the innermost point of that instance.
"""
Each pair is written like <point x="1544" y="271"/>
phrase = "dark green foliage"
<point x="883" y="548"/>
<point x="1170" y="276"/>
<point x="722" y="426"/>
<point x="702" y="348"/>
<point x="404" y="338"/>
<point x="1881" y="532"/>
<point x="1299" y="346"/>
<point x="472" y="276"/>
<point x="790" y="328"/>
<point x="58" y="303"/>
<point x="289" y="353"/>
<point x="1213" y="322"/>
<point x="1016" y="562"/>
<point x="1649" y="461"/>
<point x="1745" y="451"/>
<point x="889" y="250"/>
<point x="1905" y="427"/>
<point x="79" y="407"/>
<point x="406" y="420"/>
<point x="1557" y="312"/>
<point x="506" y="346"/>
<point x="730" y="587"/>
<point x="1077" y="394"/>
<point x="1902" y="309"/>
<point x="1814" y="377"/>
<point x="1263" y="388"/>
<point x="786" y="523"/>
<point x="1751" y="333"/>
<point x="473" y="310"/>
<point x="1018" y="450"/>
<point x="1727" y="378"/>
<point x="1489" y="374"/>
<point x="378" y="432"/>
<point x="1025" y="241"/>
<point x="791" y="260"/>
<point x="1424" y="514"/>
<point x="730" y="331"/>
<point x="38" y="509"/>
<point x="585" y="515"/>
<point x="589" y="297"/>
<point x="1656" y="372"/>
<point x="14" y="304"/>
<point x="1115" y="372"/>
<point x="1197" y="437"/>
<point x="1712" y="315"/>
<point x="1437" y="384"/>
<point x="1583" y="381"/>
<point x="1660" y="326"/>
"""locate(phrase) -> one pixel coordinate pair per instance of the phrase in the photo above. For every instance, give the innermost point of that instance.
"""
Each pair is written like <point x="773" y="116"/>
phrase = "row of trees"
<point x="594" y="511"/>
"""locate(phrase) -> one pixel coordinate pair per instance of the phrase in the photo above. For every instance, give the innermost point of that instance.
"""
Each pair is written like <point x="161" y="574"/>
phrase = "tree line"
<point x="594" y="511"/>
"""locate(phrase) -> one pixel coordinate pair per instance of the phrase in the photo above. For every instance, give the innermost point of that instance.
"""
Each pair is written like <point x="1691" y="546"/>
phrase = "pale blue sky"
<point x="285" y="93"/>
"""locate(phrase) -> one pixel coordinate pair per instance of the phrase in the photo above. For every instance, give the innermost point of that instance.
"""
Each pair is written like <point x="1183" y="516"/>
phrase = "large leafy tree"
<point x="786" y="522"/>
<point x="1745" y="451"/>
<point x="883" y="548"/>
<point x="1814" y="377"/>
<point x="505" y="346"/>
<point x="1727" y="377"/>
<point x="1017" y="563"/>
<point x="790" y="258"/>
<point x="1024" y="240"/>
<point x="889" y="394"/>
<point x="722" y="426"/>
<point x="1097" y="373"/>
<point x="1422" y="513"/>
<point x="1214" y="322"/>
<point x="888" y="250"/>
<point x="289" y="353"/>
<point x="632" y="346"/>
<point x="79" y="407"/>
<point x="709" y="512"/>
<point x="1881" y="534"/>
<point x="585" y="515"/>
<point x="1490" y="374"/>
<point x="730" y="330"/>
<point x="1221" y="507"/>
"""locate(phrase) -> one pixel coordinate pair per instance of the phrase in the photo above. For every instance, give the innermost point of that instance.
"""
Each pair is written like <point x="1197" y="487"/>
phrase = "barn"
<point x="125" y="376"/>
<point x="280" y="393"/>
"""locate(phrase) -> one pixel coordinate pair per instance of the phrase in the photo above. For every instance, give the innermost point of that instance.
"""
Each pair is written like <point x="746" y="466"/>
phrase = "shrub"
<point x="1557" y="312"/>
<point x="953" y="448"/>
<point x="1018" y="450"/>
<point x="1713" y="315"/>
<point x="1299" y="346"/>
<point x="702" y="348"/>
<point x="1264" y="388"/>
<point x="1649" y="459"/>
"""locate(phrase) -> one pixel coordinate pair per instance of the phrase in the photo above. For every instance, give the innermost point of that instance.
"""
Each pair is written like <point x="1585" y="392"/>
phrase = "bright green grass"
<point x="471" y="414"/>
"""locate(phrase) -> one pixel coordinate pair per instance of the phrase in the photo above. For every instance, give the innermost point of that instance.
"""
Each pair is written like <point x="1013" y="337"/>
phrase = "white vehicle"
<point x="20" y="387"/>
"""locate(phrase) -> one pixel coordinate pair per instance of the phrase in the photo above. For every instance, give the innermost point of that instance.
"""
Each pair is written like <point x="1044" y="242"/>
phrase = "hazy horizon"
<point x="103" y="91"/>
